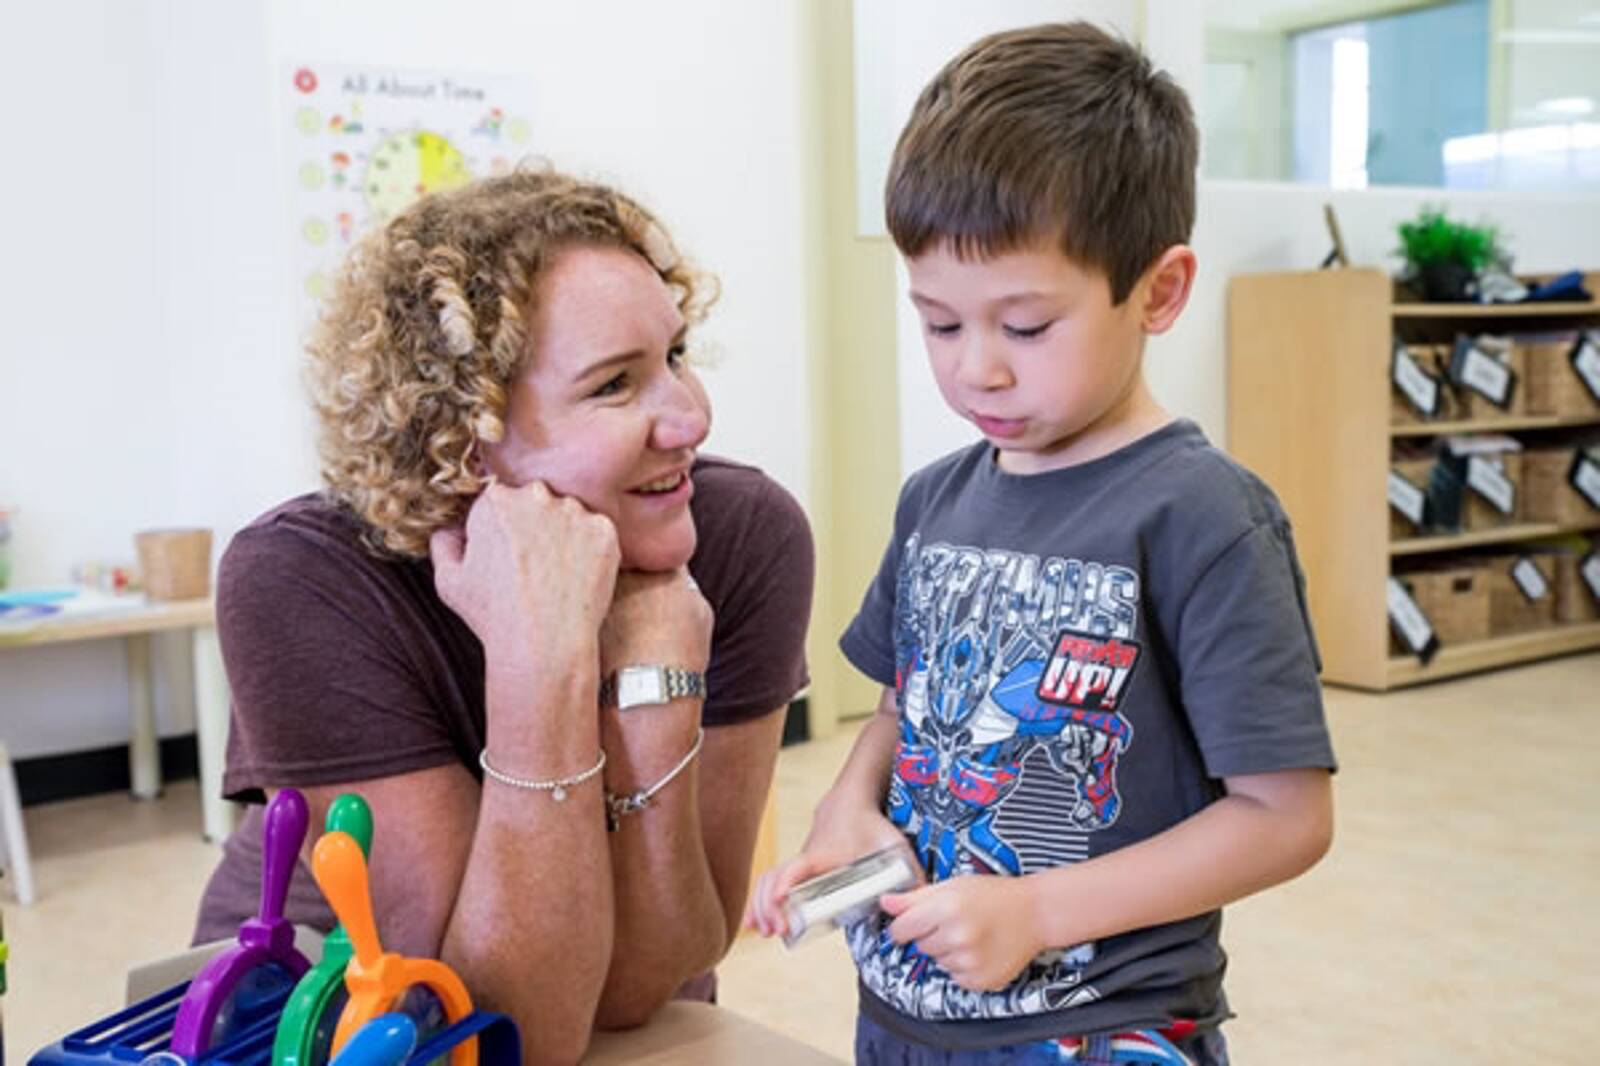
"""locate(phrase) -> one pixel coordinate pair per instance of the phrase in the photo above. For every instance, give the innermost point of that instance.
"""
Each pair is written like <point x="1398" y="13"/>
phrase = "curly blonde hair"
<point x="413" y="357"/>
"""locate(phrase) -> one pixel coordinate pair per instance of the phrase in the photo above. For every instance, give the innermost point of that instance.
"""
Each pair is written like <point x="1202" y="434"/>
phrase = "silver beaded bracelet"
<point x="621" y="804"/>
<point x="556" y="786"/>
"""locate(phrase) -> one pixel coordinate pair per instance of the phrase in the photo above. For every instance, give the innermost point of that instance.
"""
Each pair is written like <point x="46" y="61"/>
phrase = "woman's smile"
<point x="623" y="448"/>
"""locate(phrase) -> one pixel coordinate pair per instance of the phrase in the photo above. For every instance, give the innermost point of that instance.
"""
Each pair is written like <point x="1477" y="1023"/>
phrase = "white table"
<point x="133" y="623"/>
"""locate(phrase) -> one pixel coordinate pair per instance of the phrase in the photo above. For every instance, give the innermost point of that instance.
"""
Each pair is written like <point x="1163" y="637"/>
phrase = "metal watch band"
<point x="645" y="686"/>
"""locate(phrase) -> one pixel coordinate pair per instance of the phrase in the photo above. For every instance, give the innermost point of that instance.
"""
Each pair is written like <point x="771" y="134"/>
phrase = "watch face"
<point x="640" y="685"/>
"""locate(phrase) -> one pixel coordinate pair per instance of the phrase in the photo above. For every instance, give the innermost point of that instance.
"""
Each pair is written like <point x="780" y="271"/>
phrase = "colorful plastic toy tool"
<point x="387" y="1040"/>
<point x="265" y="961"/>
<point x="305" y="1034"/>
<point x="379" y="981"/>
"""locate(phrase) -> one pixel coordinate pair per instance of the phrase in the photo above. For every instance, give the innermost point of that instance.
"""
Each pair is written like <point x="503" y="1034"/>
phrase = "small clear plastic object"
<point x="847" y="894"/>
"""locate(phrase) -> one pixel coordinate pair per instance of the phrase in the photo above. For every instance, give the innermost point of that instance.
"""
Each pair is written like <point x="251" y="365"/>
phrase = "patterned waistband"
<point x="1152" y="1046"/>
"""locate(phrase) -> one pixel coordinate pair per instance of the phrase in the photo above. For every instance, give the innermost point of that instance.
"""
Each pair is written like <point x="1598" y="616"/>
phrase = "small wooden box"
<point x="1455" y="600"/>
<point x="1418" y="472"/>
<point x="1510" y="611"/>
<point x="1435" y="359"/>
<point x="1575" y="600"/>
<point x="1554" y="387"/>
<point x="175" y="563"/>
<point x="1479" y="513"/>
<point x="1471" y="405"/>
<point x="1547" y="494"/>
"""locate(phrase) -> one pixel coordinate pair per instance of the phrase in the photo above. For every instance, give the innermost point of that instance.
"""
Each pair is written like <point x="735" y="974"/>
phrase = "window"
<point x="1460" y="94"/>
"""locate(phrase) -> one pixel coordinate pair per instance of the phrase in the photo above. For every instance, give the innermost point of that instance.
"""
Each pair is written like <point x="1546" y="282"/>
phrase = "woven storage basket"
<point x="175" y="563"/>
<point x="1547" y="494"/>
<point x="1455" y="600"/>
<point x="1416" y="471"/>
<point x="1575" y="600"/>
<point x="1554" y="387"/>
<point x="1434" y="358"/>
<point x="1479" y="513"/>
<point x="1471" y="405"/>
<point x="1512" y="612"/>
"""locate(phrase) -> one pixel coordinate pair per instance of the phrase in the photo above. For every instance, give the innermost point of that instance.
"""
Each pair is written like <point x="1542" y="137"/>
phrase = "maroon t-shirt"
<point x="345" y="667"/>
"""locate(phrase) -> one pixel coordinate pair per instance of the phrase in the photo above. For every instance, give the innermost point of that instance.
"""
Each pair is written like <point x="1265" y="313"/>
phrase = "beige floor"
<point x="1457" y="919"/>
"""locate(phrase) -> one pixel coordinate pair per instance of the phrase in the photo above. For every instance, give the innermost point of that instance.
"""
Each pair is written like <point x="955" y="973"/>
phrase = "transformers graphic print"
<point x="1010" y="671"/>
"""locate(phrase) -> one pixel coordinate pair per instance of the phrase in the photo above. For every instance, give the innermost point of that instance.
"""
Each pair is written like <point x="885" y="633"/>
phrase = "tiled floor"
<point x="1456" y="919"/>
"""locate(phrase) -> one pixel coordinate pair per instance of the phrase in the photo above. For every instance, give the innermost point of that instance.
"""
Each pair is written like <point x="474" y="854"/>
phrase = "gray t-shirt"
<point x="1080" y="657"/>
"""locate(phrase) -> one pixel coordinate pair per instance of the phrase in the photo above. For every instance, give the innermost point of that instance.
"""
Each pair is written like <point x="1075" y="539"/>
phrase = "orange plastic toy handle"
<point x="377" y="980"/>
<point x="340" y="870"/>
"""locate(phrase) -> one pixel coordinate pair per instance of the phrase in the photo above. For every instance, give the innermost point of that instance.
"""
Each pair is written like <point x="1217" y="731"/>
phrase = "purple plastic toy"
<point x="265" y="950"/>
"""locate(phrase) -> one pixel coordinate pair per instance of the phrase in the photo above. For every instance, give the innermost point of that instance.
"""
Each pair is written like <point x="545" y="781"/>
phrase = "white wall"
<point x="150" y="370"/>
<point x="900" y="44"/>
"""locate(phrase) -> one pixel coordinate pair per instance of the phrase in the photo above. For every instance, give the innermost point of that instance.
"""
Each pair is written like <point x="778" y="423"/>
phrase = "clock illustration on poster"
<point x="406" y="165"/>
<point x="363" y="143"/>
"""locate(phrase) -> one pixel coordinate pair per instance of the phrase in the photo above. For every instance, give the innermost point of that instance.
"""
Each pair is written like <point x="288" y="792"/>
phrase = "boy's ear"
<point x="1164" y="290"/>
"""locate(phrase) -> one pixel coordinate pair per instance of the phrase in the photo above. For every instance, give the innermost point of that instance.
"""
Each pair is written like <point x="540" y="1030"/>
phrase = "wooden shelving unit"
<point x="1480" y="537"/>
<point x="1480" y="311"/>
<point x="1309" y="411"/>
<point x="1490" y="425"/>
<point x="1487" y="654"/>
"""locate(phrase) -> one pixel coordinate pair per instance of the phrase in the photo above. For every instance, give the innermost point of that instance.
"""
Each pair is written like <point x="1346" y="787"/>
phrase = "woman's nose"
<point x="684" y="418"/>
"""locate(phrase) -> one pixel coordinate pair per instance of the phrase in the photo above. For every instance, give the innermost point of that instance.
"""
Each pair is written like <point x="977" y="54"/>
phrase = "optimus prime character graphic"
<point x="974" y="708"/>
<point x="963" y="741"/>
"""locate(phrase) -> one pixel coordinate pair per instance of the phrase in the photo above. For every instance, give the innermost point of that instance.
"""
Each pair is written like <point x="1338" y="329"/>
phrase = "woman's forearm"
<point x="669" y="919"/>
<point x="531" y="930"/>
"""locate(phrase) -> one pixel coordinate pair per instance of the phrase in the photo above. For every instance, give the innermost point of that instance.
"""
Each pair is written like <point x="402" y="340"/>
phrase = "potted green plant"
<point x="1444" y="258"/>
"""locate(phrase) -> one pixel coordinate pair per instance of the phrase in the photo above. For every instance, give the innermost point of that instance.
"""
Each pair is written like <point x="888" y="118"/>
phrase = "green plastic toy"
<point x="305" y="1033"/>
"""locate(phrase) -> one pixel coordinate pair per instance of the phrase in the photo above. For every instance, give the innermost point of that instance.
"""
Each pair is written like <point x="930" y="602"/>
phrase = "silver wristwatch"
<point x="646" y="686"/>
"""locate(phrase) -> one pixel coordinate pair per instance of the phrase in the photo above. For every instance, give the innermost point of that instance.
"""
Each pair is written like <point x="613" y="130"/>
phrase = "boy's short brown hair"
<point x="1054" y="131"/>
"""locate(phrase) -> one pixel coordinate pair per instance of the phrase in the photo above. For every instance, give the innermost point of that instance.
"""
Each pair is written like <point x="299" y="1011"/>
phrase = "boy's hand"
<point x="837" y="837"/>
<point x="977" y="928"/>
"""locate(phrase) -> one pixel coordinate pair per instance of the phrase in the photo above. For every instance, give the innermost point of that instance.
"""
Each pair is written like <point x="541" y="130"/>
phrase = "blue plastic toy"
<point x="387" y="1040"/>
<point x="143" y="1034"/>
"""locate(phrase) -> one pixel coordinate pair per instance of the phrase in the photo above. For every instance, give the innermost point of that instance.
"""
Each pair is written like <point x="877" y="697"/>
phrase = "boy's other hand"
<point x="837" y="837"/>
<point x="976" y="927"/>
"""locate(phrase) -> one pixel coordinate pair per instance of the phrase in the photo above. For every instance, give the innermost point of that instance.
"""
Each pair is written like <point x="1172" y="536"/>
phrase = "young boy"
<point x="1101" y="685"/>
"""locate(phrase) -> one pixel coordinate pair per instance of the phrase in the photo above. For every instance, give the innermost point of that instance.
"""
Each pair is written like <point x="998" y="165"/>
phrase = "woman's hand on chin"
<point x="656" y="618"/>
<point x="532" y="574"/>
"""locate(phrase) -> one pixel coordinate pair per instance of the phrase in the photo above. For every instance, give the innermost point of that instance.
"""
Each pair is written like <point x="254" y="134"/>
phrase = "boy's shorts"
<point x="876" y="1046"/>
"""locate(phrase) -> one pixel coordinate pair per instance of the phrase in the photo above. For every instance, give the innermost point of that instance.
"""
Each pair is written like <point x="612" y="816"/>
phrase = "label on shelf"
<point x="1409" y="621"/>
<point x="1488" y="480"/>
<point x="1590" y="569"/>
<point x="1586" y="361"/>
<point x="1585" y="477"/>
<point x="1530" y="579"/>
<point x="1406" y="498"/>
<point x="1418" y="386"/>
<point x="1482" y="373"/>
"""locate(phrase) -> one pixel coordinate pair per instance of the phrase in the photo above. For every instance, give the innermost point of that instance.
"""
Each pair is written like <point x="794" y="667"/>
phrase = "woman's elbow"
<point x="632" y="999"/>
<point x="555" y="1045"/>
<point x="627" y="1012"/>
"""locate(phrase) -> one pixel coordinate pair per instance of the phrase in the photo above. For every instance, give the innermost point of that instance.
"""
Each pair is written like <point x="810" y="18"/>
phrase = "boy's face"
<point x="1027" y="346"/>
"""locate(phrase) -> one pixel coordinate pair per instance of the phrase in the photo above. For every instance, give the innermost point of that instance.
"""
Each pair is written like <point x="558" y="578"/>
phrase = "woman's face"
<point x="605" y="409"/>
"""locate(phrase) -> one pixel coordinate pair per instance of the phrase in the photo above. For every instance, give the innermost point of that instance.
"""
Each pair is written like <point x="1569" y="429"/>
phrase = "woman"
<point x="514" y="514"/>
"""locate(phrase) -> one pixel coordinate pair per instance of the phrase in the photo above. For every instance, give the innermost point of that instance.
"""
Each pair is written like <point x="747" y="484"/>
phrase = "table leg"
<point x="211" y="732"/>
<point x="144" y="753"/>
